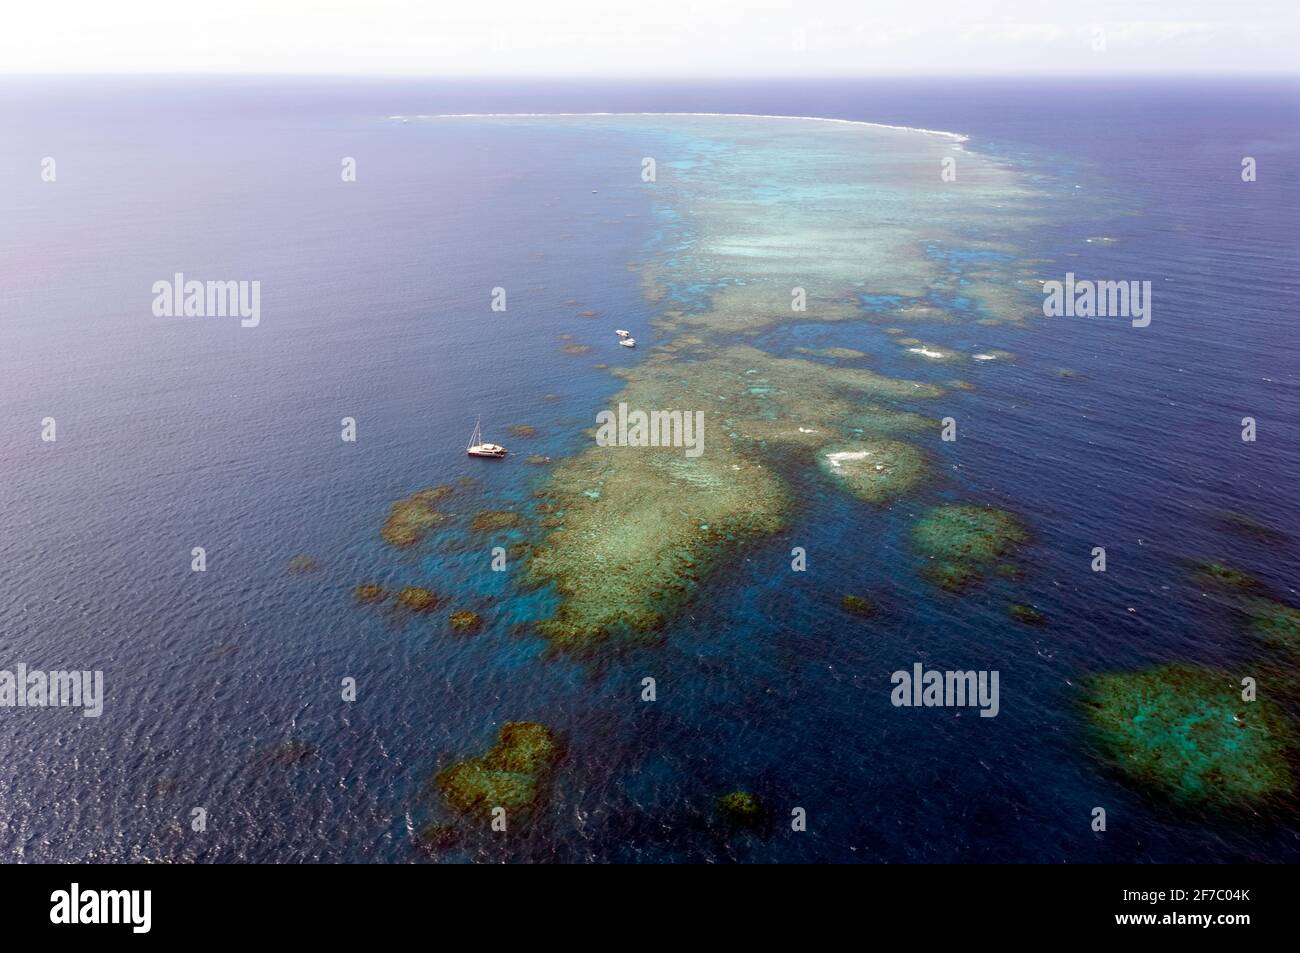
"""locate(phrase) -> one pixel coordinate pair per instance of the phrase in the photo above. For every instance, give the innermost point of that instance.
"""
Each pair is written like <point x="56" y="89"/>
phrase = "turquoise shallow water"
<point x="192" y="433"/>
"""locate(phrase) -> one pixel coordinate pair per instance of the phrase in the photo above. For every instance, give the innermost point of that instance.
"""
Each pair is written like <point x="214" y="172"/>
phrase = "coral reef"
<point x="1186" y="733"/>
<point x="1274" y="624"/>
<point x="490" y="521"/>
<point x="368" y="592"/>
<point x="512" y="774"/>
<point x="465" y="621"/>
<point x="639" y="529"/>
<point x="741" y="809"/>
<point x="1248" y="527"/>
<point x="409" y="519"/>
<point x="858" y="605"/>
<point x="962" y="542"/>
<point x="1224" y="576"/>
<point x="417" y="599"/>
<point x="874" y="470"/>
<point x="1026" y="614"/>
<point x="835" y="353"/>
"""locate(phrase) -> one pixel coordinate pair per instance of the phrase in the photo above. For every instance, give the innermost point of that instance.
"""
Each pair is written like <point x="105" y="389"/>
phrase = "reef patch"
<point x="466" y="622"/>
<point x="858" y="605"/>
<point x="963" y="542"/>
<point x="417" y="599"/>
<point x="512" y="774"/>
<point x="741" y="809"/>
<point x="491" y="521"/>
<point x="369" y="592"/>
<point x="874" y="470"/>
<point x="1185" y="732"/>
<point x="409" y="519"/>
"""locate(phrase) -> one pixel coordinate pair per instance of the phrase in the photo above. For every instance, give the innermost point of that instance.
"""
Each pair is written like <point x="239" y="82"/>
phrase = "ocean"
<point x="222" y="688"/>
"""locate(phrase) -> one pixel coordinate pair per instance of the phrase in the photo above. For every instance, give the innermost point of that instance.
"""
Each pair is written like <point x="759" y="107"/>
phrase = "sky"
<point x="670" y="38"/>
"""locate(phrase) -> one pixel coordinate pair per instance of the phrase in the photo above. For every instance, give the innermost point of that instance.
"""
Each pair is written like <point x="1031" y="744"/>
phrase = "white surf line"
<point x="934" y="355"/>
<point x="955" y="136"/>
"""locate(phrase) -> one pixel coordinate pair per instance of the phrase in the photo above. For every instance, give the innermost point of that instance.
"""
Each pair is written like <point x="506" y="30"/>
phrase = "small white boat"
<point x="628" y="342"/>
<point x="478" y="448"/>
<point x="623" y="334"/>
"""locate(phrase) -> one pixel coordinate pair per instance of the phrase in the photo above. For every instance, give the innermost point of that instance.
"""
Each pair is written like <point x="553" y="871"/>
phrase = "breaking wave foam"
<point x="954" y="136"/>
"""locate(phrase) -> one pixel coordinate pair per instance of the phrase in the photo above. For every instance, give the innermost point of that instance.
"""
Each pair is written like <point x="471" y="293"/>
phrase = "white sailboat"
<point x="628" y="342"/>
<point x="623" y="334"/>
<point x="478" y="448"/>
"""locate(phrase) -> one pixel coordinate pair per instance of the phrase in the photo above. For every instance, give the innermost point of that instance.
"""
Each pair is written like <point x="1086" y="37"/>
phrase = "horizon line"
<point x="644" y="77"/>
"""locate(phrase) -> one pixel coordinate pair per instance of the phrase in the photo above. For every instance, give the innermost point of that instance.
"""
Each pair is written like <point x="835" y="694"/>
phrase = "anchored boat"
<point x="479" y="448"/>
<point x="628" y="342"/>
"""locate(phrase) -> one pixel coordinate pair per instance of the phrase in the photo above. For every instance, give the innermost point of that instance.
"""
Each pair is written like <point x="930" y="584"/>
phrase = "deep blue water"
<point x="174" y="434"/>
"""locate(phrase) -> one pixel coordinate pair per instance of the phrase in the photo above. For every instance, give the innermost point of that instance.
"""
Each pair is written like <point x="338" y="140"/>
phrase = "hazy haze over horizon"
<point x="670" y="38"/>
